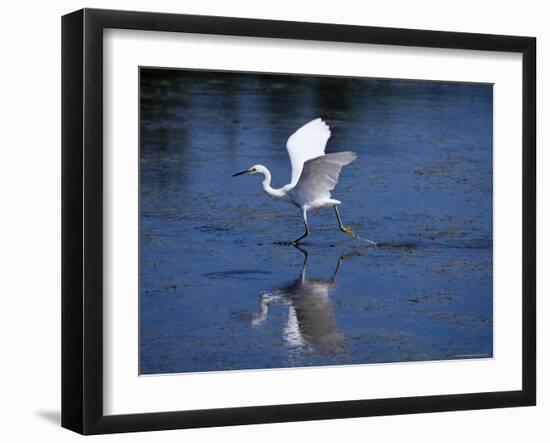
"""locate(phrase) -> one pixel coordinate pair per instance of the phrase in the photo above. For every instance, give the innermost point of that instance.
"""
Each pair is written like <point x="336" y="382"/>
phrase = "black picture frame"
<point x="82" y="219"/>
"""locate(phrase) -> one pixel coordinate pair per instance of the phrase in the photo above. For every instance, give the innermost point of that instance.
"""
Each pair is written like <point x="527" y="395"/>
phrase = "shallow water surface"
<point x="218" y="290"/>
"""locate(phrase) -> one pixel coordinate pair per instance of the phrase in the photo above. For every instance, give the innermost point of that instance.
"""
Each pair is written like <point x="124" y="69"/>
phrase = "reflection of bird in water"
<point x="314" y="173"/>
<point x="311" y="323"/>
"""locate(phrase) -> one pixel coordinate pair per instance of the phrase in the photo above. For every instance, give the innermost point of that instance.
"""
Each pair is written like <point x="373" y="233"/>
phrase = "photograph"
<point x="290" y="220"/>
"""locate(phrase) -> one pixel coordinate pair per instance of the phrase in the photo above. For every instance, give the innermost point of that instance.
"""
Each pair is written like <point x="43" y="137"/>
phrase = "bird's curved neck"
<point x="266" y="184"/>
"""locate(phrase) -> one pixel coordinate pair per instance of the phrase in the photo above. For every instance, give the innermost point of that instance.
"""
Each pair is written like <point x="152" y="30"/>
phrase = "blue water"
<point x="217" y="291"/>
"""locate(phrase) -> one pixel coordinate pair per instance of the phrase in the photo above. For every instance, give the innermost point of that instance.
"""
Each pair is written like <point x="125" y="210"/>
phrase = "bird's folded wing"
<point x="306" y="143"/>
<point x="320" y="175"/>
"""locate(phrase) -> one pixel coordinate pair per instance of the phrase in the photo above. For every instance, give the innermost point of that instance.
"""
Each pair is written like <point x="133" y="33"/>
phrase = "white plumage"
<point x="319" y="177"/>
<point x="305" y="144"/>
<point x="314" y="173"/>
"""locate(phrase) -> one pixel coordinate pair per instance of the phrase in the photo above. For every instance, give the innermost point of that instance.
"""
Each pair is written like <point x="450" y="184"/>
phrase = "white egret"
<point x="314" y="173"/>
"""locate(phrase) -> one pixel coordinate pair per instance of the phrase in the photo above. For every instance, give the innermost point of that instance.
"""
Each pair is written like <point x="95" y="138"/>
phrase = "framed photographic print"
<point x="269" y="221"/>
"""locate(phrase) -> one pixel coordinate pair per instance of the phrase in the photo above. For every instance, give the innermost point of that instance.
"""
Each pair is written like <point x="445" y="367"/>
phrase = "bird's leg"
<point x="335" y="273"/>
<point x="306" y="255"/>
<point x="341" y="260"/>
<point x="295" y="242"/>
<point x="345" y="229"/>
<point x="304" y="215"/>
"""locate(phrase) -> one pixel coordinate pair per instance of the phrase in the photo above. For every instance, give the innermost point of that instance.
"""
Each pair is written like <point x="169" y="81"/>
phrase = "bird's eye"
<point x="253" y="170"/>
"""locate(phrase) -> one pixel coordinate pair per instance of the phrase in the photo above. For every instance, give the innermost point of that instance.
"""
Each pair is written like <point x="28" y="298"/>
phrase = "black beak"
<point x="240" y="173"/>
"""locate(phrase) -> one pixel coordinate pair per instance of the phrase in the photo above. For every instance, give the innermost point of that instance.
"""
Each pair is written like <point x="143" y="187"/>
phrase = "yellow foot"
<point x="347" y="230"/>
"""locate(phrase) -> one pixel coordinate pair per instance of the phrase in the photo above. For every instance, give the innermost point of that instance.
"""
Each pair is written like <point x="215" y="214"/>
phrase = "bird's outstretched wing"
<point x="306" y="143"/>
<point x="320" y="175"/>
